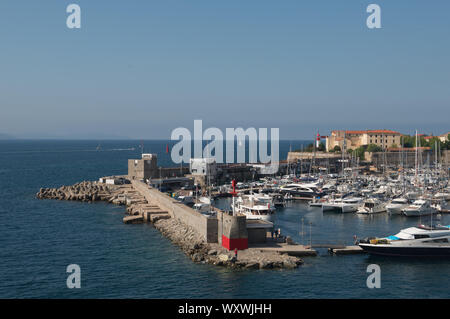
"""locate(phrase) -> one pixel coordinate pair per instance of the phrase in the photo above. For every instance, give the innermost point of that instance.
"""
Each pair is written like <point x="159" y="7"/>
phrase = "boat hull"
<point x="350" y="208"/>
<point x="395" y="210"/>
<point x="266" y="218"/>
<point x="330" y="207"/>
<point x="384" y="250"/>
<point x="417" y="213"/>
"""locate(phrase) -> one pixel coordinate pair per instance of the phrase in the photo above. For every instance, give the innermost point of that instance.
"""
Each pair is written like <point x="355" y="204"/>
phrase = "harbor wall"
<point x="396" y="158"/>
<point x="206" y="227"/>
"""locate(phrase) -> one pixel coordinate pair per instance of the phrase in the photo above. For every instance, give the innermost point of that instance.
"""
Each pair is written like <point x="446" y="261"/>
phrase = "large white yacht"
<point x="396" y="206"/>
<point x="420" y="207"/>
<point x="301" y="190"/>
<point x="423" y="241"/>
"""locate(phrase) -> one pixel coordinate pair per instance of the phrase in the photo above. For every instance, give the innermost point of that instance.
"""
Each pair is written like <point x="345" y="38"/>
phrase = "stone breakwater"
<point x="84" y="191"/>
<point x="140" y="210"/>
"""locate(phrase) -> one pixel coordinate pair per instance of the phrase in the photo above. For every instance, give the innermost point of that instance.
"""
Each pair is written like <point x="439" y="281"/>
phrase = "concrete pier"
<point x="347" y="250"/>
<point x="283" y="248"/>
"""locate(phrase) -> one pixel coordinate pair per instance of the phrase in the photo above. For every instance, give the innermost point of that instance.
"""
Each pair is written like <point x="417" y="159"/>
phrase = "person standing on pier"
<point x="235" y="253"/>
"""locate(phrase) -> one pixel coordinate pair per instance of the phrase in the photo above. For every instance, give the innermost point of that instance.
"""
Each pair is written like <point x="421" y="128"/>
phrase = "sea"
<point x="40" y="238"/>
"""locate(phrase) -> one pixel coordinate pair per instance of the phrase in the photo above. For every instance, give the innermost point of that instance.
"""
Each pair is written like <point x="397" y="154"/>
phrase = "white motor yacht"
<point x="331" y="205"/>
<point x="372" y="206"/>
<point x="253" y="207"/>
<point x="419" y="207"/>
<point x="420" y="241"/>
<point x="396" y="206"/>
<point x="343" y="205"/>
<point x="351" y="205"/>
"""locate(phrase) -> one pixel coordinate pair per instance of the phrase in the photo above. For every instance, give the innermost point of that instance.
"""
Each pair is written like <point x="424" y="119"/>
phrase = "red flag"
<point x="167" y="148"/>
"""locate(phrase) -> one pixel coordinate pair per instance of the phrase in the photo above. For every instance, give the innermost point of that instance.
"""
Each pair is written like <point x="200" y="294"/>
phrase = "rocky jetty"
<point x="139" y="210"/>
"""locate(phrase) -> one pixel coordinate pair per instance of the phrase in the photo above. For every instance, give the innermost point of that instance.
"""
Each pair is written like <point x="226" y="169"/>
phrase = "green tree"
<point x="322" y="147"/>
<point x="359" y="152"/>
<point x="373" y="148"/>
<point x="337" y="148"/>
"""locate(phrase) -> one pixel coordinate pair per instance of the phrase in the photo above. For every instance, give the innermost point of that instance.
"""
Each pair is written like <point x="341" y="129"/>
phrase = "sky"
<point x="140" y="69"/>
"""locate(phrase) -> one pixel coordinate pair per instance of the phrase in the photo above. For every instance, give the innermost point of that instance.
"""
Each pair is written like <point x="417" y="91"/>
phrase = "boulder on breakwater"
<point x="85" y="191"/>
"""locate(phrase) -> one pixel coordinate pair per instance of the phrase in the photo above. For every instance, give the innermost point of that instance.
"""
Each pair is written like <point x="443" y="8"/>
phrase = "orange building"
<point x="355" y="139"/>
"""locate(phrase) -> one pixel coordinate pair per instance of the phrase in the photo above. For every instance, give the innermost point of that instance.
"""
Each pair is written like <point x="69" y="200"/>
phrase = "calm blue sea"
<point x="39" y="238"/>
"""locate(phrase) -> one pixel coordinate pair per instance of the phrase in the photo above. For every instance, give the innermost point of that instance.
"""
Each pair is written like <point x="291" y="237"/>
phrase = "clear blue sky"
<point x="139" y="68"/>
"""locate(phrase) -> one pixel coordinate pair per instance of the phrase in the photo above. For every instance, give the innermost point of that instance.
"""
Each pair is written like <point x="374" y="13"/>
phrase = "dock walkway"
<point x="347" y="250"/>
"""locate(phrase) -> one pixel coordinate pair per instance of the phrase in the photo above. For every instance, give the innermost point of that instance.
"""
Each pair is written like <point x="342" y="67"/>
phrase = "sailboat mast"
<point x="416" y="159"/>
